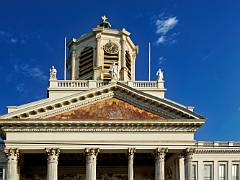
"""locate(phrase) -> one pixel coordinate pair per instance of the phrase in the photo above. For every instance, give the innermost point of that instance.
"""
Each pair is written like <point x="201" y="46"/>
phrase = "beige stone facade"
<point x="102" y="124"/>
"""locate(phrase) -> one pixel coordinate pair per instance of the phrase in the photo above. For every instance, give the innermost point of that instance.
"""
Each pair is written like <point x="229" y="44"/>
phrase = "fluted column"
<point x="91" y="163"/>
<point x="131" y="152"/>
<point x="160" y="154"/>
<point x="188" y="155"/>
<point x="12" y="164"/>
<point x="52" y="163"/>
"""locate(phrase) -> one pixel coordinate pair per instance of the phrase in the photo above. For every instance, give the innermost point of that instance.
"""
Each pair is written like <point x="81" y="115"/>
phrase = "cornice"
<point x="51" y="125"/>
<point x="235" y="150"/>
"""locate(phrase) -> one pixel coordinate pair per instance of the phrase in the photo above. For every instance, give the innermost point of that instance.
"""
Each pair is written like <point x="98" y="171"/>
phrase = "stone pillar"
<point x="97" y="60"/>
<point x="52" y="163"/>
<point x="12" y="164"/>
<point x="124" y="75"/>
<point x="131" y="152"/>
<point x="188" y="163"/>
<point x="91" y="163"/>
<point x="73" y="64"/>
<point x="160" y="163"/>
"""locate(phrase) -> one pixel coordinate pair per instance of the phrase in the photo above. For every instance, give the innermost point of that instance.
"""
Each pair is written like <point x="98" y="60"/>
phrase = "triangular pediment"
<point x="108" y="109"/>
<point x="115" y="100"/>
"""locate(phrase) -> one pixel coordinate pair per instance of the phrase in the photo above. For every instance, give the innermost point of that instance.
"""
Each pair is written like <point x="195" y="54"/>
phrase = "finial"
<point x="159" y="75"/>
<point x="53" y="73"/>
<point x="104" y="23"/>
<point x="104" y="18"/>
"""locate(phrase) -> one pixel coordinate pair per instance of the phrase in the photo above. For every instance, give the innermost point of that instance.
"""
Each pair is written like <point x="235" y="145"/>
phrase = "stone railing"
<point x="217" y="144"/>
<point x="89" y="84"/>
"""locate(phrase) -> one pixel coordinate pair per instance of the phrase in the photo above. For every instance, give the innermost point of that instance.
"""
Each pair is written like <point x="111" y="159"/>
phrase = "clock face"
<point x="110" y="48"/>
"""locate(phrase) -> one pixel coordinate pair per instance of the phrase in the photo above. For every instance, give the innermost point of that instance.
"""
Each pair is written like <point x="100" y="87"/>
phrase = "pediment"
<point x="109" y="109"/>
<point x="115" y="100"/>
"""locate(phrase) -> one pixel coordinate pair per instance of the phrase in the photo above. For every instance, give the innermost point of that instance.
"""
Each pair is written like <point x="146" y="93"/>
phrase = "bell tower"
<point x="103" y="54"/>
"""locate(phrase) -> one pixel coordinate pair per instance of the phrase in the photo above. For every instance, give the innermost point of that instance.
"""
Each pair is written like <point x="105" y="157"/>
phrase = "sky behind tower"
<point x="196" y="43"/>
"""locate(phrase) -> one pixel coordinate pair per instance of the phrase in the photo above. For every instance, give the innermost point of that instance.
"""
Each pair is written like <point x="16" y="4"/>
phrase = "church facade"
<point x="102" y="124"/>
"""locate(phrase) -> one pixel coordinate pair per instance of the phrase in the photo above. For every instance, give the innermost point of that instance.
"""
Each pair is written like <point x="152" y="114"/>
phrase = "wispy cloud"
<point x="161" y="60"/>
<point x="238" y="108"/>
<point x="163" y="26"/>
<point x="10" y="38"/>
<point x="30" y="71"/>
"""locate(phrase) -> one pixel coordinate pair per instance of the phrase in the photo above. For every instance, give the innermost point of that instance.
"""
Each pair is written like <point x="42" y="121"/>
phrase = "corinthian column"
<point x="12" y="164"/>
<point x="52" y="163"/>
<point x="91" y="163"/>
<point x="188" y="163"/>
<point x="160" y="163"/>
<point x="131" y="152"/>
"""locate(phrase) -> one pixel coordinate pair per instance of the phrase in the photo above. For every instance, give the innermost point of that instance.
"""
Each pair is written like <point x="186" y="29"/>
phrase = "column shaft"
<point x="160" y="163"/>
<point x="131" y="152"/>
<point x="12" y="164"/>
<point x="91" y="163"/>
<point x="52" y="163"/>
<point x="188" y="163"/>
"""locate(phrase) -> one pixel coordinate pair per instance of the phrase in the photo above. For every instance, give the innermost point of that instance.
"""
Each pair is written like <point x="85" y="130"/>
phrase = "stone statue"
<point x="159" y="75"/>
<point x="114" y="72"/>
<point x="53" y="73"/>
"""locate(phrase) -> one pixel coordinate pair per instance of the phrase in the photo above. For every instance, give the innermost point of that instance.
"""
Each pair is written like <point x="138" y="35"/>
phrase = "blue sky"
<point x="196" y="43"/>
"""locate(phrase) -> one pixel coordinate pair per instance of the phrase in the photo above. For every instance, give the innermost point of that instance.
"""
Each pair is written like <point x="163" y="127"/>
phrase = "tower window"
<point x="86" y="63"/>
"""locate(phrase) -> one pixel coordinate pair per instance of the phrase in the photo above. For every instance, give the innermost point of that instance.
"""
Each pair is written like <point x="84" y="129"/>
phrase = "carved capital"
<point x="52" y="154"/>
<point x="160" y="153"/>
<point x="98" y="36"/>
<point x="188" y="154"/>
<point x="12" y="154"/>
<point x="91" y="151"/>
<point x="131" y="151"/>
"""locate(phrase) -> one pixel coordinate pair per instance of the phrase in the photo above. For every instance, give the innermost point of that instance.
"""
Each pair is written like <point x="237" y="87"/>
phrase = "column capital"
<point x="52" y="154"/>
<point x="188" y="153"/>
<point x="131" y="151"/>
<point x="12" y="154"/>
<point x="160" y="153"/>
<point x="91" y="151"/>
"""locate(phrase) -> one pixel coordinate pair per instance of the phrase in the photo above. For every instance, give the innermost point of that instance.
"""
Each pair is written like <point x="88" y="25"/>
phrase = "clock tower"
<point x="95" y="55"/>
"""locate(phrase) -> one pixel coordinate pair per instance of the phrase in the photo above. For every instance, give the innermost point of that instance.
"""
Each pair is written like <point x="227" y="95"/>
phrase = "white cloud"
<point x="161" y="60"/>
<point x="163" y="26"/>
<point x="27" y="70"/>
<point x="161" y="40"/>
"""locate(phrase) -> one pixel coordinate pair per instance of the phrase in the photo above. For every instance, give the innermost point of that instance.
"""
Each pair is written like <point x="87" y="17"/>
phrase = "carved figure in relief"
<point x="159" y="75"/>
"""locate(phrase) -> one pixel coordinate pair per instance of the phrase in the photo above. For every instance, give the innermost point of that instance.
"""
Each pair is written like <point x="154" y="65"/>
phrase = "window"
<point x="194" y="171"/>
<point x="222" y="172"/>
<point x="208" y="172"/>
<point x="235" y="172"/>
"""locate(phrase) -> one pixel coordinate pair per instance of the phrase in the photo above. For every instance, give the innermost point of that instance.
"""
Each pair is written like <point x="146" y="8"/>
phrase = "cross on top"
<point x="104" y="18"/>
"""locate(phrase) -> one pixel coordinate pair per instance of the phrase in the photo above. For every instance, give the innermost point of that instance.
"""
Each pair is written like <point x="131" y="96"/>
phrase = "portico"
<point x="94" y="163"/>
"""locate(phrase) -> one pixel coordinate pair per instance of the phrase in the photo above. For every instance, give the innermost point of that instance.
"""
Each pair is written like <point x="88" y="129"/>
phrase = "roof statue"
<point x="159" y="75"/>
<point x="53" y="73"/>
<point x="114" y="72"/>
<point x="104" y="23"/>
